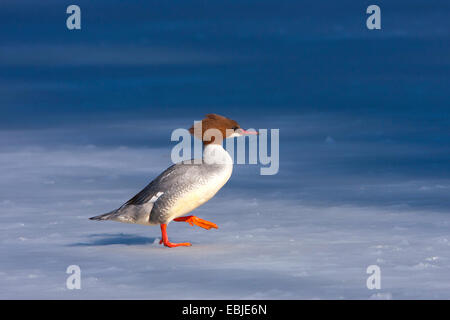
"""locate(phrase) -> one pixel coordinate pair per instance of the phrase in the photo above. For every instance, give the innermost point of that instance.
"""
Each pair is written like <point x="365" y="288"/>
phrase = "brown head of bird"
<point x="215" y="128"/>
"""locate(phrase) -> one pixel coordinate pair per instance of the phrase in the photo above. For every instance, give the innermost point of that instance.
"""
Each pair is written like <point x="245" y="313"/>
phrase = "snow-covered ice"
<point x="309" y="232"/>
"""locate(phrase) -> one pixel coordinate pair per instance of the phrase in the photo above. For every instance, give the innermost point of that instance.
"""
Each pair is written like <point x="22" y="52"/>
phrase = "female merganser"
<point x="185" y="185"/>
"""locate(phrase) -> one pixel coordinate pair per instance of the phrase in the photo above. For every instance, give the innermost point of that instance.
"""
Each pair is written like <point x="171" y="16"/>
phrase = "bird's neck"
<point x="216" y="154"/>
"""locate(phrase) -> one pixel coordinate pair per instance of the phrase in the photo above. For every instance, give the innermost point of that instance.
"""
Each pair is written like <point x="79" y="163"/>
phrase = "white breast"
<point x="214" y="181"/>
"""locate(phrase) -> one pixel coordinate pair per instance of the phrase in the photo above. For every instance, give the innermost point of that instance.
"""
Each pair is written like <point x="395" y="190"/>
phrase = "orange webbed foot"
<point x="198" y="222"/>
<point x="167" y="243"/>
<point x="173" y="245"/>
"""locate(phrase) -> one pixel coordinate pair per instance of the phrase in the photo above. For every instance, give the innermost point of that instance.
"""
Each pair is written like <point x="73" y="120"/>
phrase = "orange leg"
<point x="166" y="241"/>
<point x="197" y="221"/>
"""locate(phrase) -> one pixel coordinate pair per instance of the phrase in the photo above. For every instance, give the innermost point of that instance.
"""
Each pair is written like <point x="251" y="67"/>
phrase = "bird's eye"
<point x="235" y="128"/>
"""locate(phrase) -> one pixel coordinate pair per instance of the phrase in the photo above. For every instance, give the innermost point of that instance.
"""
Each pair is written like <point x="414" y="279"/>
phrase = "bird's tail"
<point x="105" y="216"/>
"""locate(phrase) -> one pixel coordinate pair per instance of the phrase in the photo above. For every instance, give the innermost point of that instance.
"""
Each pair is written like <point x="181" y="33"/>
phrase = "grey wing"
<point x="141" y="208"/>
<point x="172" y="176"/>
<point x="159" y="196"/>
<point x="153" y="204"/>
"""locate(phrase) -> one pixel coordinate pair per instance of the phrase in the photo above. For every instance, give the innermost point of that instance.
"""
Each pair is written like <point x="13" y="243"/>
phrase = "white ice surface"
<point x="267" y="246"/>
<point x="261" y="250"/>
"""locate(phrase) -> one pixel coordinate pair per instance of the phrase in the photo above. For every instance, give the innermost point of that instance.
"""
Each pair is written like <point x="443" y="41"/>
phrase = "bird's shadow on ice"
<point x="105" y="239"/>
